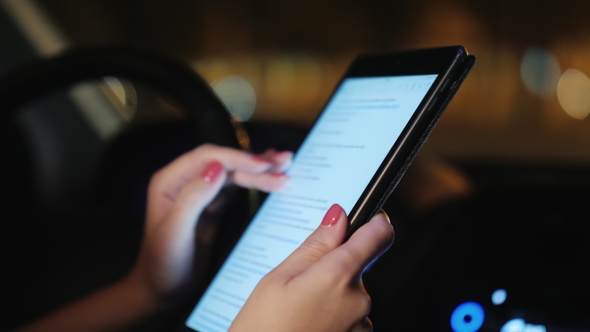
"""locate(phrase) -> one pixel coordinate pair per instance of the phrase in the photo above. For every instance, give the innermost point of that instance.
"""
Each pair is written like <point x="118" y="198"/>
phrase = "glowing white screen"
<point x="334" y="164"/>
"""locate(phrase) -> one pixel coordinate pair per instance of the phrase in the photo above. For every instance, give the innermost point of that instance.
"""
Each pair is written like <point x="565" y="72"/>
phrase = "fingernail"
<point x="385" y="215"/>
<point x="260" y="159"/>
<point x="277" y="174"/>
<point x="332" y="216"/>
<point x="212" y="171"/>
<point x="283" y="153"/>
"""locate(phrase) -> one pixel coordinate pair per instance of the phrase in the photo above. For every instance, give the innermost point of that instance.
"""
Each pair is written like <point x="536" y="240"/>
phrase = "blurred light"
<point x="281" y="78"/>
<point x="573" y="93"/>
<point x="237" y="94"/>
<point x="467" y="317"/>
<point x="499" y="296"/>
<point x="36" y="26"/>
<point x="309" y="80"/>
<point x="519" y="325"/>
<point x="122" y="96"/>
<point x="117" y="88"/>
<point x="213" y="69"/>
<point x="540" y="71"/>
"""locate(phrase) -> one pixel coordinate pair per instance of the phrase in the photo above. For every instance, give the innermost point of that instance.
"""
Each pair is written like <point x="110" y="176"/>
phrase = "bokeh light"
<point x="122" y="96"/>
<point x="281" y="78"/>
<point x="237" y="94"/>
<point x="309" y="79"/>
<point x="499" y="296"/>
<point x="540" y="71"/>
<point x="573" y="93"/>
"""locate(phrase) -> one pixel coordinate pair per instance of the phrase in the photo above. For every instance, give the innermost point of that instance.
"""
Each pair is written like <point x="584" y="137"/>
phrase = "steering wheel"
<point x="206" y="116"/>
<point x="212" y="121"/>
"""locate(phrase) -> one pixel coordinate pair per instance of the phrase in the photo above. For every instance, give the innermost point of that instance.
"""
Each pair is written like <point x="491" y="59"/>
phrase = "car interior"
<point x="490" y="221"/>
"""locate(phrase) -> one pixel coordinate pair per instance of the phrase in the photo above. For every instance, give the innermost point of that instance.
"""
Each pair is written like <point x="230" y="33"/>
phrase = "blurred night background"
<point x="526" y="100"/>
<point x="509" y="161"/>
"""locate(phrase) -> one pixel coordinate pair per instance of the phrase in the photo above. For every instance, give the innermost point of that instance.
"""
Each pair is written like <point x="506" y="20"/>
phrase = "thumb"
<point x="328" y="236"/>
<point x="365" y="245"/>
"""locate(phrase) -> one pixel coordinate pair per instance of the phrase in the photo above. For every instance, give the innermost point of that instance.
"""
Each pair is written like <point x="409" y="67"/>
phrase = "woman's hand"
<point x="319" y="287"/>
<point x="177" y="196"/>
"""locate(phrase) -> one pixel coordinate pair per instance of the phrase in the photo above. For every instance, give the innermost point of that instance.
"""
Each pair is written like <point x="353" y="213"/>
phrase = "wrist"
<point x="138" y="287"/>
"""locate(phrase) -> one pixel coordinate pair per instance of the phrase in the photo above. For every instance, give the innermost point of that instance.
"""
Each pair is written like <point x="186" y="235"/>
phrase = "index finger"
<point x="187" y="166"/>
<point x="169" y="181"/>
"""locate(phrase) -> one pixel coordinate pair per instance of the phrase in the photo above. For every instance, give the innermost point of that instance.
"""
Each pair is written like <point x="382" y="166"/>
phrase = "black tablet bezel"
<point x="451" y="64"/>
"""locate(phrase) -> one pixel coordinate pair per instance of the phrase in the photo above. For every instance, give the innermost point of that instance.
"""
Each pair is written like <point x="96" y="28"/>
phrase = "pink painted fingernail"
<point x="212" y="171"/>
<point x="260" y="159"/>
<point x="277" y="174"/>
<point x="332" y="216"/>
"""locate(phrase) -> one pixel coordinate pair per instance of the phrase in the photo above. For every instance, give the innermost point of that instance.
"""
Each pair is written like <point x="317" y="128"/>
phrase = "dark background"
<point x="493" y="117"/>
<point x="497" y="198"/>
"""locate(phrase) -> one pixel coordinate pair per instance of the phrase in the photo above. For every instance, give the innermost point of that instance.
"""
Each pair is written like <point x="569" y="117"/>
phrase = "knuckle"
<point x="266" y="280"/>
<point x="268" y="284"/>
<point x="156" y="177"/>
<point x="205" y="147"/>
<point x="364" y="303"/>
<point x="243" y="179"/>
<point x="315" y="247"/>
<point x="363" y="326"/>
<point x="349" y="261"/>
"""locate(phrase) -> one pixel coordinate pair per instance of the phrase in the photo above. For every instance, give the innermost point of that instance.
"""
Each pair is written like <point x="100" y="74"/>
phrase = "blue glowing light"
<point x="467" y="317"/>
<point x="540" y="71"/>
<point x="499" y="296"/>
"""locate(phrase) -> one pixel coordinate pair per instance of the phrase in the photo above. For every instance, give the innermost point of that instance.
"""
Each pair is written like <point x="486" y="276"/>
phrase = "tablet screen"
<point x="334" y="164"/>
